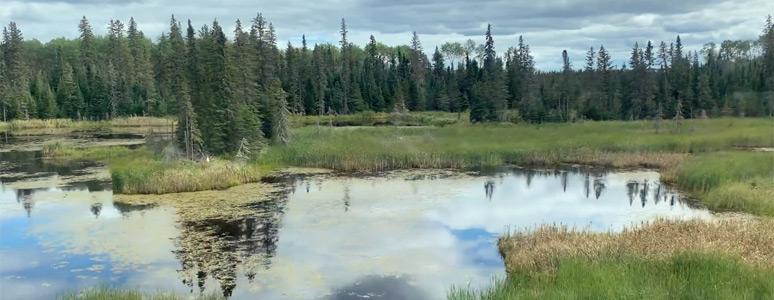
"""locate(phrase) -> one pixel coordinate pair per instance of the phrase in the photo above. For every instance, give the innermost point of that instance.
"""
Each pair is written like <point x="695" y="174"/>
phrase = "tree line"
<point x="230" y="90"/>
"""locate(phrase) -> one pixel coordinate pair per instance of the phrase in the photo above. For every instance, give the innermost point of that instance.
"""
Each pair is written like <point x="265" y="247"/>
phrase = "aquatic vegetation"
<point x="231" y="204"/>
<point x="369" y="118"/>
<point x="738" y="180"/>
<point x="68" y="123"/>
<point x="108" y="293"/>
<point x="685" y="275"/>
<point x="754" y="195"/>
<point x="158" y="177"/>
<point x="610" y="144"/>
<point x="62" y="150"/>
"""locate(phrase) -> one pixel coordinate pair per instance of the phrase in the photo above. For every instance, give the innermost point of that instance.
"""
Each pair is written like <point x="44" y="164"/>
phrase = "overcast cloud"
<point x="548" y="26"/>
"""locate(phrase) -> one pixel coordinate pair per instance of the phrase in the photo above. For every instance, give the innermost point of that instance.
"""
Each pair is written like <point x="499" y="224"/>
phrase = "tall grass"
<point x="62" y="150"/>
<point x="542" y="249"/>
<point x="737" y="181"/>
<point x="686" y="275"/>
<point x="661" y="260"/>
<point x="108" y="293"/>
<point x="373" y="118"/>
<point x="705" y="172"/>
<point x="68" y="123"/>
<point x="140" y="171"/>
<point x="462" y="145"/>
<point x="158" y="177"/>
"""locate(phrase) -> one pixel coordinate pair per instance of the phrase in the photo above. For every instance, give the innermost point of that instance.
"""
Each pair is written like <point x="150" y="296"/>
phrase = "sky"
<point x="548" y="26"/>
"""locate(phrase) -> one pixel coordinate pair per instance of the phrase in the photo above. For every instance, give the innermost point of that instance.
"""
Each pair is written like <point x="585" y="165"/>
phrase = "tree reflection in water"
<point x="219" y="248"/>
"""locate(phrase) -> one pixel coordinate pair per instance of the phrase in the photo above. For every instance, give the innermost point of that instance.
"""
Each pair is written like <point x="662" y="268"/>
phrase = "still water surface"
<point x="399" y="235"/>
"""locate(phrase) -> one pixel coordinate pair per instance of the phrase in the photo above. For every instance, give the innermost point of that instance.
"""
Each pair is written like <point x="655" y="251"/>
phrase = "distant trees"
<point x="228" y="91"/>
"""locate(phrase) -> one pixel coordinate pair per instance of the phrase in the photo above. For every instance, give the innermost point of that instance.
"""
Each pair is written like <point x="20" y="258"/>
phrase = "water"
<point x="400" y="235"/>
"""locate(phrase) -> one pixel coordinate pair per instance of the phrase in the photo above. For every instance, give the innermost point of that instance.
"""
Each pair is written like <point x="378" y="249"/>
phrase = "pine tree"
<point x="416" y="97"/>
<point x="69" y="97"/>
<point x="188" y="135"/>
<point x="281" y="122"/>
<point x="345" y="71"/>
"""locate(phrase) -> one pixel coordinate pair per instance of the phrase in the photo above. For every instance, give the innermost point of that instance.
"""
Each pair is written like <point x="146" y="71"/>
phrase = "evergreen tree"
<point x="416" y="97"/>
<point x="188" y="135"/>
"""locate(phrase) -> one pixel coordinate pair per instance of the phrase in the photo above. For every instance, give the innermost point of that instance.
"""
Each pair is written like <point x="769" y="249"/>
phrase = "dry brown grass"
<point x="751" y="240"/>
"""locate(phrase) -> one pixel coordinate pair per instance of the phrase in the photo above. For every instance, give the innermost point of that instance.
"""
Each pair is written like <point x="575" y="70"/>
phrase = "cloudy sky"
<point x="548" y="26"/>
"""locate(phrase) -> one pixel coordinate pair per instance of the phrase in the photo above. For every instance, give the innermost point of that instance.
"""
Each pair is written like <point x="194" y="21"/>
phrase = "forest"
<point x="229" y="90"/>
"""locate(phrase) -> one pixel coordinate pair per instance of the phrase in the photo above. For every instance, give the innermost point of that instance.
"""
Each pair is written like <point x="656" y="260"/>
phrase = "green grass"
<point x="684" y="276"/>
<point x="731" y="181"/>
<point x="158" y="177"/>
<point x="464" y="145"/>
<point x="140" y="171"/>
<point x="68" y="123"/>
<point x="373" y="118"/>
<point x="108" y="293"/>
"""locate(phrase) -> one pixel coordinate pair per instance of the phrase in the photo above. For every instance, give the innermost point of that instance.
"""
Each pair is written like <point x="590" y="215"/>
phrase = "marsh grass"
<point x="542" y="250"/>
<point x="610" y="144"/>
<point x="105" y="292"/>
<point x="68" y="123"/>
<point x="754" y="195"/>
<point x="373" y="118"/>
<point x="729" y="259"/>
<point x="158" y="177"/>
<point x="140" y="171"/>
<point x="731" y="181"/>
<point x="684" y="275"/>
<point x="63" y="151"/>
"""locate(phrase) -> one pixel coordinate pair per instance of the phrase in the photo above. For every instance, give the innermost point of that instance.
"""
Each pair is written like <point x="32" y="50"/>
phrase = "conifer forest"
<point x="226" y="87"/>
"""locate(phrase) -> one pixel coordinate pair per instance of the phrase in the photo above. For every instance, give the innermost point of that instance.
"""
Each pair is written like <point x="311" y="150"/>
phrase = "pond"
<point x="397" y="235"/>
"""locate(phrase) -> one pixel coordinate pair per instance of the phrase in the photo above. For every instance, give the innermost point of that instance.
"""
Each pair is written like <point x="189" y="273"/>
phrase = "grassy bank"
<point x="665" y="259"/>
<point x="108" y="293"/>
<point x="68" y="123"/>
<point x="683" y="276"/>
<point x="735" y="181"/>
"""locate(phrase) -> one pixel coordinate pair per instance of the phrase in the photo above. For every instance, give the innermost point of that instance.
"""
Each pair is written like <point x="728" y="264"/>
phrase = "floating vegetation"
<point x="231" y="204"/>
<point x="109" y="293"/>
